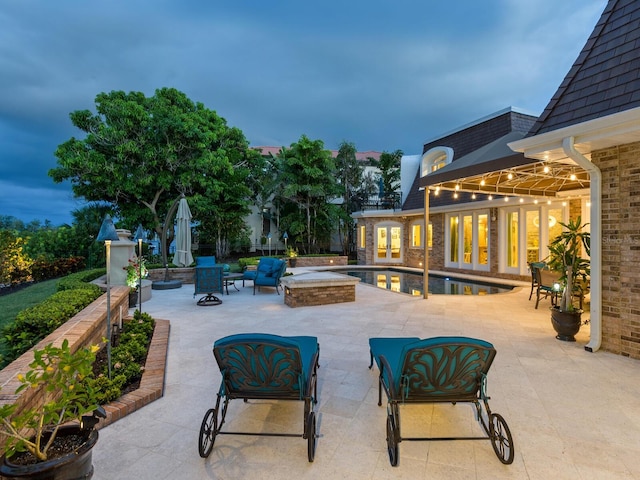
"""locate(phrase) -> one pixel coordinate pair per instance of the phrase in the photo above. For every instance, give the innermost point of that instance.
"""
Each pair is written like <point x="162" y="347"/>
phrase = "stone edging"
<point x="152" y="382"/>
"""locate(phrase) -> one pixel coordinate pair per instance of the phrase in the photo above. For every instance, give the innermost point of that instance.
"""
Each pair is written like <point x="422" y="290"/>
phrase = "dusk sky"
<point x="385" y="75"/>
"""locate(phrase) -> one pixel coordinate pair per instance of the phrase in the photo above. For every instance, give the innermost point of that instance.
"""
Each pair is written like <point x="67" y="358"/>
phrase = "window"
<point x="416" y="235"/>
<point x="362" y="238"/>
<point x="512" y="239"/>
<point x="435" y="159"/>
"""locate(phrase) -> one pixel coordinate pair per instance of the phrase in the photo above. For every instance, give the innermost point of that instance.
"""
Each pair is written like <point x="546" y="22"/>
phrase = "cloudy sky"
<point x="384" y="75"/>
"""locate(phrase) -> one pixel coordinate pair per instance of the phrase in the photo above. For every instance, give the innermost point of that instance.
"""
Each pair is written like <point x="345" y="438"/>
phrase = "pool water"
<point x="412" y="283"/>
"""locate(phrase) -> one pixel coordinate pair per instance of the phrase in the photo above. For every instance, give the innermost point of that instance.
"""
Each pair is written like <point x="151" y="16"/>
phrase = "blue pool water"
<point x="412" y="283"/>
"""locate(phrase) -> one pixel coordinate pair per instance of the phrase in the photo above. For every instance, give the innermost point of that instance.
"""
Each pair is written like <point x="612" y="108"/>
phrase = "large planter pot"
<point x="566" y="324"/>
<point x="73" y="466"/>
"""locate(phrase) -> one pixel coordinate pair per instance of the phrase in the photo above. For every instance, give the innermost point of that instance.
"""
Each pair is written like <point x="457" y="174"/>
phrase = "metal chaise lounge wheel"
<point x="208" y="432"/>
<point x="501" y="439"/>
<point x="311" y="436"/>
<point x="392" y="440"/>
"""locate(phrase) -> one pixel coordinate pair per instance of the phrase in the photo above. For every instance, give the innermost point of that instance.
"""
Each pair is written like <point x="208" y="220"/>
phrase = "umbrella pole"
<point x="163" y="239"/>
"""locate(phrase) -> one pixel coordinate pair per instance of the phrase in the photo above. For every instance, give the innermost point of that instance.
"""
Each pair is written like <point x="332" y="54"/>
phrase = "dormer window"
<point x="435" y="158"/>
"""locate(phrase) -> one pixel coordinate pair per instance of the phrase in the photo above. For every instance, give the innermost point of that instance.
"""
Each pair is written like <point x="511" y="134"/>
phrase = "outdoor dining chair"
<point x="546" y="287"/>
<point x="438" y="370"/>
<point x="533" y="268"/>
<point x="260" y="366"/>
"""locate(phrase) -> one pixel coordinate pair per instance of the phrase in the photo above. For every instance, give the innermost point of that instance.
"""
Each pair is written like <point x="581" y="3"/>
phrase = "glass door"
<point x="388" y="244"/>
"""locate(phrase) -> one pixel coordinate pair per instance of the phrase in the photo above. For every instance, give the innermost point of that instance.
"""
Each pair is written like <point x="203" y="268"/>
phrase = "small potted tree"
<point x="565" y="257"/>
<point x="53" y="435"/>
<point x="292" y="253"/>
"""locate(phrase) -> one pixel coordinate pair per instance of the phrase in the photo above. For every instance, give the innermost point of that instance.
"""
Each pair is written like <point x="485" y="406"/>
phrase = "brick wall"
<point x="185" y="275"/>
<point x="323" y="261"/>
<point x="88" y="327"/>
<point x="620" y="167"/>
<point x="309" y="296"/>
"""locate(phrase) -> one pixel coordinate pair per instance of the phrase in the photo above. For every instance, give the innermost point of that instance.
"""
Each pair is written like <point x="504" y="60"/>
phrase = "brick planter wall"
<point x="322" y="261"/>
<point x="86" y="328"/>
<point x="185" y="275"/>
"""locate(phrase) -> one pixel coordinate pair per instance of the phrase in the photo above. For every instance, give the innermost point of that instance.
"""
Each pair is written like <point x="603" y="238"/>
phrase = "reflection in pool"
<point x="409" y="282"/>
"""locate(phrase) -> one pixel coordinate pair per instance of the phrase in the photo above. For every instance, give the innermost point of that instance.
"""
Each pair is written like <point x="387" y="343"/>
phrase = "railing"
<point x="386" y="202"/>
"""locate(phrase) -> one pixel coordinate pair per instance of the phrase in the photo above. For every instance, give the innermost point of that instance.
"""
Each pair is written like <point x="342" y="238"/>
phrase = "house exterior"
<point x="464" y="224"/>
<point x="490" y="211"/>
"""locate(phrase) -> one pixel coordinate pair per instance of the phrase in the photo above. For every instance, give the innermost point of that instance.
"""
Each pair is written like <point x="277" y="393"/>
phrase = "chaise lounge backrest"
<point x="255" y="365"/>
<point x="437" y="369"/>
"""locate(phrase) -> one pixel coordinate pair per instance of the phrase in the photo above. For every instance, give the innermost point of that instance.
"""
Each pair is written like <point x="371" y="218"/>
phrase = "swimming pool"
<point x="412" y="283"/>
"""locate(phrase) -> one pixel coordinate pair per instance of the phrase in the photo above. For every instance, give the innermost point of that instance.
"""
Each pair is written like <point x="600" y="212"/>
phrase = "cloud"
<point x="384" y="75"/>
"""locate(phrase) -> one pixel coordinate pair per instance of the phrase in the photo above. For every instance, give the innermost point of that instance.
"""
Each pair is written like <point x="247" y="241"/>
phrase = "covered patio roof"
<point x="496" y="169"/>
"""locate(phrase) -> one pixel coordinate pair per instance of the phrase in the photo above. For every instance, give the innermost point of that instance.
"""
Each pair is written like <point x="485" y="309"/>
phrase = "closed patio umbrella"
<point x="183" y="257"/>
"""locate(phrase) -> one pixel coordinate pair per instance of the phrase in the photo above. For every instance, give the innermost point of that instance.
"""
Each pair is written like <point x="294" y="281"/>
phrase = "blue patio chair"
<point x="268" y="274"/>
<point x="438" y="370"/>
<point x="263" y="366"/>
<point x="208" y="280"/>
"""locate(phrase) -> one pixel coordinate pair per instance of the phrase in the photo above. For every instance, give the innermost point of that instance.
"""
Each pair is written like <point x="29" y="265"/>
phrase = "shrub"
<point x="81" y="279"/>
<point x="33" y="324"/>
<point x="126" y="357"/>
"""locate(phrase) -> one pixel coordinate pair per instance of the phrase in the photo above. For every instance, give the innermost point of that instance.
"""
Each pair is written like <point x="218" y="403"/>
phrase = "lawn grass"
<point x="12" y="303"/>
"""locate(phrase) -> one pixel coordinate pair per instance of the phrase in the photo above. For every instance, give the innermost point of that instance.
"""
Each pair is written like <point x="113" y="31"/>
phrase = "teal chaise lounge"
<point x="259" y="366"/>
<point x="438" y="370"/>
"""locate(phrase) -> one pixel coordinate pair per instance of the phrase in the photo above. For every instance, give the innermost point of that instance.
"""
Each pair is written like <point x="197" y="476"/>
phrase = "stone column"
<point x="121" y="252"/>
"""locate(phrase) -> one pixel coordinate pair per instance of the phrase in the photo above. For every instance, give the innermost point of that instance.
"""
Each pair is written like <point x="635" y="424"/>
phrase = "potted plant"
<point x="136" y="271"/>
<point x="292" y="253"/>
<point x="565" y="257"/>
<point x="53" y="435"/>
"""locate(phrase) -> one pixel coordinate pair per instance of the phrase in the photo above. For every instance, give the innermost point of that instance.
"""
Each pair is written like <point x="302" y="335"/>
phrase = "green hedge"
<point x="34" y="323"/>
<point x="80" y="279"/>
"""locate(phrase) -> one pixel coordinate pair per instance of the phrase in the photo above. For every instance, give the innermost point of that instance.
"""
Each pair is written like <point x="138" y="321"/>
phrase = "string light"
<point x="457" y="186"/>
<point x="506" y="199"/>
<point x="482" y="182"/>
<point x="535" y="201"/>
<point x="573" y="176"/>
<point x="521" y="200"/>
<point x="473" y="196"/>
<point x="546" y="169"/>
<point x="490" y="197"/>
<point x="510" y="176"/>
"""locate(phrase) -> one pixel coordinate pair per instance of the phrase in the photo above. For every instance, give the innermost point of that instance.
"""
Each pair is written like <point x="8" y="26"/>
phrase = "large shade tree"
<point x="308" y="184"/>
<point x="141" y="153"/>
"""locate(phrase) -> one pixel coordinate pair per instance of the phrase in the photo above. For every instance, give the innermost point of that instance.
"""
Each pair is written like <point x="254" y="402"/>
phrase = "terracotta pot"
<point x="566" y="324"/>
<point x="74" y="465"/>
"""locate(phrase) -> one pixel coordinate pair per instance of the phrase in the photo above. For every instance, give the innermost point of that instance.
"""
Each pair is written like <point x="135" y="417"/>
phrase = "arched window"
<point x="434" y="159"/>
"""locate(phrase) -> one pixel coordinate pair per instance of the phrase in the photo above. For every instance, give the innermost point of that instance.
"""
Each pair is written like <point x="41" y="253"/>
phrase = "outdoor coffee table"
<point x="230" y="279"/>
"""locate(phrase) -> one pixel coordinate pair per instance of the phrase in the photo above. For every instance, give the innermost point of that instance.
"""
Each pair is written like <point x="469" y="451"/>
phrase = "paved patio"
<point x="573" y="414"/>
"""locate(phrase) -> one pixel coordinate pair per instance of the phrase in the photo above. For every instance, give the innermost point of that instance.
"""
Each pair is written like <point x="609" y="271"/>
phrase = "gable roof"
<point x="605" y="78"/>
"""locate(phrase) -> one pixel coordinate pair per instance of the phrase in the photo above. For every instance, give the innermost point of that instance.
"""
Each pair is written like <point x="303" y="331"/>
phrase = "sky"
<point x="384" y="75"/>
